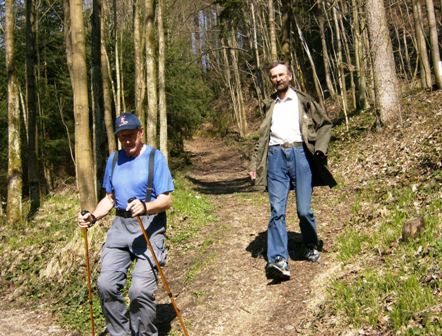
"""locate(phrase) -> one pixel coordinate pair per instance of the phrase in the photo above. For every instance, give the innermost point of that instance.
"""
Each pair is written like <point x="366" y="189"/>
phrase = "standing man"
<point x="291" y="152"/>
<point x="127" y="177"/>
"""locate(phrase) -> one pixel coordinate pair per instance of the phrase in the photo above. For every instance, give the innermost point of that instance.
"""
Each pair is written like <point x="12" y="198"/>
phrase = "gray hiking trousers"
<point x="125" y="243"/>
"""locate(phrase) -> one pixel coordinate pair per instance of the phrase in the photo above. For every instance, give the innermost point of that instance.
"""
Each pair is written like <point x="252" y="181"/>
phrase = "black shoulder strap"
<point x="150" y="176"/>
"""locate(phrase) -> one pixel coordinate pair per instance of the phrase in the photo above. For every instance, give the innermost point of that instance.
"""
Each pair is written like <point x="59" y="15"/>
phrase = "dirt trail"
<point x="232" y="296"/>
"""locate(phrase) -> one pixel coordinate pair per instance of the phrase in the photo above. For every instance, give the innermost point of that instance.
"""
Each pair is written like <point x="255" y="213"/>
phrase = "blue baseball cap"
<point x="126" y="121"/>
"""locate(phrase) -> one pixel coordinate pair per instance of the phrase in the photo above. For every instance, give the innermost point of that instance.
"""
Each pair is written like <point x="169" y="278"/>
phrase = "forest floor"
<point x="218" y="277"/>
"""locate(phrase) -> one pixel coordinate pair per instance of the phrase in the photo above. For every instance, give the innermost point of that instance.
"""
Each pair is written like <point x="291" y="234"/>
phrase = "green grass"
<point x="396" y="283"/>
<point x="190" y="212"/>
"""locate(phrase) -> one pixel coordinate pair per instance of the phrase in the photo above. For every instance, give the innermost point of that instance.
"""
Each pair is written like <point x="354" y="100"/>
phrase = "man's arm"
<point x="102" y="209"/>
<point x="160" y="204"/>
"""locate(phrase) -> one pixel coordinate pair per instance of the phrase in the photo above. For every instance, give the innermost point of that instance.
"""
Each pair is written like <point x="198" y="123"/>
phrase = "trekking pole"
<point x="163" y="278"/>
<point x="86" y="252"/>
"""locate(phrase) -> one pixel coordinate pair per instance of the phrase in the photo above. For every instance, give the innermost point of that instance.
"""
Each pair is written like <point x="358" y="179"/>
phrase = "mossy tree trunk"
<point x="162" y="108"/>
<point x="14" y="209"/>
<point x="33" y="162"/>
<point x="151" y="80"/>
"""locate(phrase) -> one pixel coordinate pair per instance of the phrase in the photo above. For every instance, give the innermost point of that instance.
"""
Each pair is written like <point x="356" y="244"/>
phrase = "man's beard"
<point x="282" y="87"/>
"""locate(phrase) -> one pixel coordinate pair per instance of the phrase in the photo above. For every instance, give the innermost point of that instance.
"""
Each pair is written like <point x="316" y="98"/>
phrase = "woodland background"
<point x="68" y="67"/>
<point x="195" y="73"/>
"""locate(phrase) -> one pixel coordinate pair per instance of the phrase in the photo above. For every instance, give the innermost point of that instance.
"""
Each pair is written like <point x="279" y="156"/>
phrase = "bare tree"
<point x="424" y="63"/>
<point x="387" y="89"/>
<point x="272" y="29"/>
<point x="33" y="162"/>
<point x="152" y="107"/>
<point x="78" y="71"/>
<point x="435" y="55"/>
<point x="14" y="208"/>
<point x="162" y="109"/>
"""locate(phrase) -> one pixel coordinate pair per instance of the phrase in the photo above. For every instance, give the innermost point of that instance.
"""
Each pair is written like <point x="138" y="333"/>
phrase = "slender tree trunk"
<point x="97" y="84"/>
<point x="361" y="100"/>
<point x="425" y="70"/>
<point x="341" y="74"/>
<point x="152" y="107"/>
<point x="83" y="147"/>
<point x="272" y="29"/>
<point x="325" y="57"/>
<point x="14" y="208"/>
<point x="241" y="115"/>
<point x="33" y="163"/>
<point x="162" y="80"/>
<point x="435" y="55"/>
<point x="257" y="71"/>
<point x="140" y="88"/>
<point x="107" y="95"/>
<point x="386" y="84"/>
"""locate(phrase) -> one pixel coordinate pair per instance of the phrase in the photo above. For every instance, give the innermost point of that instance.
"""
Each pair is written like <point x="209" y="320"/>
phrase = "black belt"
<point x="123" y="213"/>
<point x="290" y="144"/>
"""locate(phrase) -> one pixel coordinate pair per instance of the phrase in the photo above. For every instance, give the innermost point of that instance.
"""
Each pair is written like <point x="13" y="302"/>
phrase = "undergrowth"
<point x="389" y="285"/>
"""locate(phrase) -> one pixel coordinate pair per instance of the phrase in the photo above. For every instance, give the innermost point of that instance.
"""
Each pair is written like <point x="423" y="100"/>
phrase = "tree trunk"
<point x="83" y="147"/>
<point x="325" y="57"/>
<point x="140" y="88"/>
<point x="361" y="101"/>
<point x="33" y="163"/>
<point x="241" y="114"/>
<point x="152" y="107"/>
<point x="272" y="29"/>
<point x="97" y="84"/>
<point x="424" y="63"/>
<point x="341" y="74"/>
<point x="387" y="89"/>
<point x="435" y="55"/>
<point x="14" y="208"/>
<point x="107" y="95"/>
<point x="162" y="80"/>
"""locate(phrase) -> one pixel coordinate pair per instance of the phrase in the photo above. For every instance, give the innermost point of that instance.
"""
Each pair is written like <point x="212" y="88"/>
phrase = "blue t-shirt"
<point x="130" y="175"/>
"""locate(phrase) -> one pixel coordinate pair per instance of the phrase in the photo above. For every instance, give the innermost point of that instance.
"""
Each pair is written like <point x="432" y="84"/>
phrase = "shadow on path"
<point x="165" y="315"/>
<point x="222" y="187"/>
<point x="258" y="246"/>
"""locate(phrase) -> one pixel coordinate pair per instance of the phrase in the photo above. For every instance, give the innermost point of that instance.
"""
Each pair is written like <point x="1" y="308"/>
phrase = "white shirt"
<point x="285" y="120"/>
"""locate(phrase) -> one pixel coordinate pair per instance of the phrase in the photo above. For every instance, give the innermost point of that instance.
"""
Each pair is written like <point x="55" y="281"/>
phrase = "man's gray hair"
<point x="276" y="63"/>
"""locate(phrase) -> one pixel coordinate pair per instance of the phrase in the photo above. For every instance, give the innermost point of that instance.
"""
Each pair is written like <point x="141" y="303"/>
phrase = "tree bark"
<point x="424" y="63"/>
<point x="162" y="80"/>
<point x="435" y="55"/>
<point x="97" y="85"/>
<point x="107" y="95"/>
<point x="83" y="147"/>
<point x="14" y="208"/>
<point x="33" y="162"/>
<point x="385" y="79"/>
<point x="272" y="29"/>
<point x="140" y="82"/>
<point x="152" y="107"/>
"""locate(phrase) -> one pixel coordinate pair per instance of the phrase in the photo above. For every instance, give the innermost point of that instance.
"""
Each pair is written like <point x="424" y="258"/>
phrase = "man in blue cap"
<point x="126" y="177"/>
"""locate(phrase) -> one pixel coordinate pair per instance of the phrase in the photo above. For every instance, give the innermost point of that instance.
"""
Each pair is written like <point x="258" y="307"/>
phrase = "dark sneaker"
<point x="278" y="269"/>
<point x="312" y="255"/>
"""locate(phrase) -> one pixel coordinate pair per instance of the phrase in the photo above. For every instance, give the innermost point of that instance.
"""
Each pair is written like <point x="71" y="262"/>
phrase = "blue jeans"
<point x="287" y="166"/>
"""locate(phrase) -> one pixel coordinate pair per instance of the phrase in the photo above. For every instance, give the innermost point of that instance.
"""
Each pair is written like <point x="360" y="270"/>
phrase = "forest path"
<point x="231" y="295"/>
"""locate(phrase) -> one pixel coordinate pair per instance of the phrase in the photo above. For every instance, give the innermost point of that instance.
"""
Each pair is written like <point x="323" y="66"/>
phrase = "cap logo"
<point x="123" y="121"/>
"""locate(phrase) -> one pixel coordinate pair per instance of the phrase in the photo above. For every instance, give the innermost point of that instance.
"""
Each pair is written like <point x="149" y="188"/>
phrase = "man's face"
<point x="280" y="77"/>
<point x="131" y="141"/>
